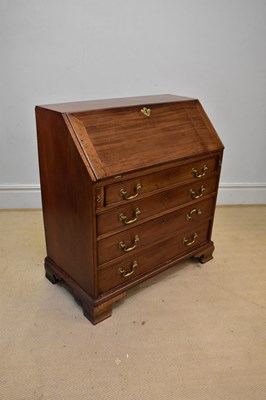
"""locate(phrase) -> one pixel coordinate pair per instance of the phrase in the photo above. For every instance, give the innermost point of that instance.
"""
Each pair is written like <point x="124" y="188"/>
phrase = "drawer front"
<point x="127" y="190"/>
<point x="133" y="212"/>
<point x="125" y="270"/>
<point x="135" y="239"/>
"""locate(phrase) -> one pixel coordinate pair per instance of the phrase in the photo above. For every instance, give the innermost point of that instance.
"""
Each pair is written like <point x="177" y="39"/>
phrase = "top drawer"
<point x="137" y="187"/>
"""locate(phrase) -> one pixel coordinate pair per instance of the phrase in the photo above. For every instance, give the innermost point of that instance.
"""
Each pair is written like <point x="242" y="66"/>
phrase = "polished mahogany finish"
<point x="162" y="227"/>
<point x="149" y="208"/>
<point x="129" y="188"/>
<point x="159" y="180"/>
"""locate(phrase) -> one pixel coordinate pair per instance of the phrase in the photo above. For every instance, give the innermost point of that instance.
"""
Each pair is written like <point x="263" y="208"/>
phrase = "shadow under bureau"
<point x="129" y="189"/>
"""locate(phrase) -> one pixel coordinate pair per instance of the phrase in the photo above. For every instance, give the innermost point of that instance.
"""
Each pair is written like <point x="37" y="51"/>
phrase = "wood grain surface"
<point x="168" y="163"/>
<point x="125" y="140"/>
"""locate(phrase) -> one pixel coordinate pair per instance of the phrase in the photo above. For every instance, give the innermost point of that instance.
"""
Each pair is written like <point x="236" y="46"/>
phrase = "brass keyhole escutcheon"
<point x="146" y="111"/>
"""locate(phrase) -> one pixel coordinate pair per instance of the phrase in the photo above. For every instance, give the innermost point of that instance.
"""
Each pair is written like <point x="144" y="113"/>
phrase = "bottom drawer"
<point x="117" y="273"/>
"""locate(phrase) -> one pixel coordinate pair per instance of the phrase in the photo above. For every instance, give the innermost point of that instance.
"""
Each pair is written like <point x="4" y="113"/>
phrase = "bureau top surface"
<point x="119" y="136"/>
<point x="89" y="105"/>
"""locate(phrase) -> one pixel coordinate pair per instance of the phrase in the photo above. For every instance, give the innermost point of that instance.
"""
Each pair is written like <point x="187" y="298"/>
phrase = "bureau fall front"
<point x="129" y="189"/>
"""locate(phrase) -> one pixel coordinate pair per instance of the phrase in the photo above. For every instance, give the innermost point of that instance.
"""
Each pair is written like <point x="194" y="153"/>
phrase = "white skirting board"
<point x="20" y="196"/>
<point x="241" y="193"/>
<point x="29" y="196"/>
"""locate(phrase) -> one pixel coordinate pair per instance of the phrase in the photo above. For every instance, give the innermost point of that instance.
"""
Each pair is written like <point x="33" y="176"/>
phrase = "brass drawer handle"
<point x="122" y="245"/>
<point x="196" y="174"/>
<point x="146" y="111"/>
<point x="197" y="211"/>
<point x="125" y="274"/>
<point x="188" y="242"/>
<point x="197" y="196"/>
<point x="123" y="192"/>
<point x="123" y="217"/>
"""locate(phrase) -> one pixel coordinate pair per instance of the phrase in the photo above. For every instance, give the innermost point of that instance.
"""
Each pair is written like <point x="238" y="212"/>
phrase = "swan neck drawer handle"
<point x="196" y="174"/>
<point x="197" y="196"/>
<point x="123" y="217"/>
<point x="123" y="192"/>
<point x="188" y="242"/>
<point x="196" y="211"/>
<point x="123" y="246"/>
<point x="125" y="274"/>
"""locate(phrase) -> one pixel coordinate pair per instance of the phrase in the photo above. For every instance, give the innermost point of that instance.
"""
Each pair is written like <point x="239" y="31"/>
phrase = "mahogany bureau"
<point x="129" y="189"/>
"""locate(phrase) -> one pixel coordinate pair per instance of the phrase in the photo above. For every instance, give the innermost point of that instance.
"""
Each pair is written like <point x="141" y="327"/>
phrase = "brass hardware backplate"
<point x="188" y="242"/>
<point x="123" y="192"/>
<point x="197" y="211"/>
<point x="196" y="174"/>
<point x="123" y="218"/>
<point x="123" y="246"/>
<point x="99" y="197"/>
<point x="146" y="111"/>
<point x="124" y="273"/>
<point x="197" y="196"/>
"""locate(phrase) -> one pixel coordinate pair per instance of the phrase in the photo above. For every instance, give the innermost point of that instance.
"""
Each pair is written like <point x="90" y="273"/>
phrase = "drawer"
<point x="130" y="214"/>
<point x="125" y="270"/>
<point x="137" y="187"/>
<point x="135" y="239"/>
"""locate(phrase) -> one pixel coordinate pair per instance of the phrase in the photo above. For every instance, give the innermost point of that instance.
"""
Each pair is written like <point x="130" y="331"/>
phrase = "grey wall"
<point x="65" y="50"/>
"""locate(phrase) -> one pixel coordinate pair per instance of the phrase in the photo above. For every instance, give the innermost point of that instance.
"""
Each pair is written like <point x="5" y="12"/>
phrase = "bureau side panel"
<point x="67" y="200"/>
